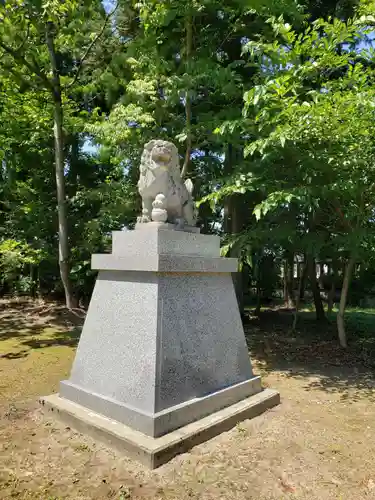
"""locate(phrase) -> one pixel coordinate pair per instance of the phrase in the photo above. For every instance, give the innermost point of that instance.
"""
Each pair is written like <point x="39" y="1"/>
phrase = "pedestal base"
<point x="154" y="452"/>
<point x="162" y="363"/>
<point x="160" y="423"/>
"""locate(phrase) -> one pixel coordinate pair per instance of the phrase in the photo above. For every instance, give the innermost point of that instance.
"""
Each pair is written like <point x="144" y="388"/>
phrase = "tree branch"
<point x="34" y="69"/>
<point x="50" y="42"/>
<point x="18" y="49"/>
<point x="91" y="46"/>
<point x="19" y="76"/>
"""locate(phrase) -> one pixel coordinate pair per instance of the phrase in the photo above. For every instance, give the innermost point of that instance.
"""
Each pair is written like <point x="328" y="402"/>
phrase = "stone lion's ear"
<point x="173" y="148"/>
<point x="150" y="145"/>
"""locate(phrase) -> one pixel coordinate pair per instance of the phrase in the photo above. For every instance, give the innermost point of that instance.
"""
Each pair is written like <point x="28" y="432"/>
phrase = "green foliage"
<point x="16" y="260"/>
<point x="310" y="116"/>
<point x="274" y="116"/>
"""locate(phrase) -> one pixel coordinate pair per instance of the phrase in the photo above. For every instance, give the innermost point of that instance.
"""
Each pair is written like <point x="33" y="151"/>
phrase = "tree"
<point x="310" y="116"/>
<point x="34" y="36"/>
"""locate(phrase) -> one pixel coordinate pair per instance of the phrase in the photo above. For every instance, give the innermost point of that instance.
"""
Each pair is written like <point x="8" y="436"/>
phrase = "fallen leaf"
<point x="286" y="486"/>
<point x="336" y="481"/>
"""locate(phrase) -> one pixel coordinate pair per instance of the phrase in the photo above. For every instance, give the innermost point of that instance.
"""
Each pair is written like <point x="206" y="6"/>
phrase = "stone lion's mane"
<point x="174" y="165"/>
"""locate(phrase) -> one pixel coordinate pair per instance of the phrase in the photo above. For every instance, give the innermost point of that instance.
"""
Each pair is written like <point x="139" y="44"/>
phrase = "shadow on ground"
<point x="312" y="352"/>
<point x="27" y="326"/>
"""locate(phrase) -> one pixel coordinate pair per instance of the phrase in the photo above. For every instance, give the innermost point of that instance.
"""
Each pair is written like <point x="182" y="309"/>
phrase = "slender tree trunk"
<point x="303" y="280"/>
<point x="331" y="297"/>
<point x="298" y="300"/>
<point x="321" y="273"/>
<point x="343" y="299"/>
<point x="288" y="280"/>
<point x="188" y="100"/>
<point x="233" y="224"/>
<point x="38" y="288"/>
<point x="74" y="161"/>
<point x="285" y="281"/>
<point x="236" y="227"/>
<point x="61" y="207"/>
<point x="59" y="170"/>
<point x="319" y="309"/>
<point x="259" y="291"/>
<point x="259" y="301"/>
<point x="332" y="290"/>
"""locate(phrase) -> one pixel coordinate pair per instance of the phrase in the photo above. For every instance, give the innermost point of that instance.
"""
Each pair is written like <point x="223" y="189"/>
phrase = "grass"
<point x="360" y="323"/>
<point x="36" y="350"/>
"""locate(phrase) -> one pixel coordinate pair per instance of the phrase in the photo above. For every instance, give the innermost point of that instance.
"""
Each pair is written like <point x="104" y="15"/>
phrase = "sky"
<point x="108" y="5"/>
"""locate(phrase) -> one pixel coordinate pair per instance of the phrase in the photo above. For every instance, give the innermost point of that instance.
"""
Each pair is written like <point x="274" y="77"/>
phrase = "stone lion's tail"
<point x="189" y="186"/>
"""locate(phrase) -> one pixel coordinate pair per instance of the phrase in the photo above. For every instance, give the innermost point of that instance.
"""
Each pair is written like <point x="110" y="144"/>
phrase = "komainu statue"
<point x="165" y="197"/>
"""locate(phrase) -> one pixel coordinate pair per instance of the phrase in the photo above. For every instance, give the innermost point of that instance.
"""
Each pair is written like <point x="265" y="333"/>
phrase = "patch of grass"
<point x="242" y="431"/>
<point x="360" y="322"/>
<point x="35" y="353"/>
<point x="27" y="371"/>
<point x="82" y="447"/>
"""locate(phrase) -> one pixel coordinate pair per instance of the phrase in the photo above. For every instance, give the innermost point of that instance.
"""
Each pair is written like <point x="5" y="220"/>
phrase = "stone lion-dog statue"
<point x="165" y="197"/>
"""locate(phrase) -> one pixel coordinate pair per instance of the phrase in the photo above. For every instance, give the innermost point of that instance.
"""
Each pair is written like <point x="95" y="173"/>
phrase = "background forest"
<point x="272" y="106"/>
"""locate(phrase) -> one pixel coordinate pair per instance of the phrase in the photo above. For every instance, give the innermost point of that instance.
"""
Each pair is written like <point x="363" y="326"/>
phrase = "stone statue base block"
<point x="154" y="452"/>
<point x="163" y="346"/>
<point x="160" y="226"/>
<point x="172" y="418"/>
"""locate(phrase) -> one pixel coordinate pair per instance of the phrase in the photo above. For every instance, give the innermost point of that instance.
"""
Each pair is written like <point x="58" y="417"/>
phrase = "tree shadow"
<point x="15" y="355"/>
<point x="69" y="339"/>
<point x="312" y="352"/>
<point x="16" y="326"/>
<point x="18" y="317"/>
<point x="37" y="326"/>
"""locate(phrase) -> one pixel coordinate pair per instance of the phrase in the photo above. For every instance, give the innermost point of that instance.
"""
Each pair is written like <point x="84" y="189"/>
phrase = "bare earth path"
<point x="318" y="444"/>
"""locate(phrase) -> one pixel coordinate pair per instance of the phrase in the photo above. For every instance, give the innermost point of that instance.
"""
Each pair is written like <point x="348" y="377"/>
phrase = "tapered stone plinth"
<point x="163" y="344"/>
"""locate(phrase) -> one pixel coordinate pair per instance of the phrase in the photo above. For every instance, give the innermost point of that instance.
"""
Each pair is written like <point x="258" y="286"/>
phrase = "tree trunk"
<point x="288" y="280"/>
<point x="321" y="273"/>
<point x="64" y="264"/>
<point x="38" y="287"/>
<point x="73" y="159"/>
<point x="298" y="300"/>
<point x="303" y="280"/>
<point x="343" y="299"/>
<point x="188" y="100"/>
<point x="61" y="207"/>
<point x="331" y="296"/>
<point x="319" y="309"/>
<point x="233" y="224"/>
<point x="259" y="290"/>
<point x="236" y="227"/>
<point x="285" y="281"/>
<point x="332" y="290"/>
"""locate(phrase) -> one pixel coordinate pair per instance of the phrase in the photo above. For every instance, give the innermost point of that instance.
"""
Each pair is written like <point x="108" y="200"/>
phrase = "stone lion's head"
<point x="160" y="156"/>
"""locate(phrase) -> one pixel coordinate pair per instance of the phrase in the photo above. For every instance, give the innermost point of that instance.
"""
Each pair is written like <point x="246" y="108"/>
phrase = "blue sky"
<point x="108" y="5"/>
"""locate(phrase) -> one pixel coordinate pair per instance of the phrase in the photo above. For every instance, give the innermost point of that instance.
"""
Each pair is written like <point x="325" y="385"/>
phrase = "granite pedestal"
<point x="163" y="345"/>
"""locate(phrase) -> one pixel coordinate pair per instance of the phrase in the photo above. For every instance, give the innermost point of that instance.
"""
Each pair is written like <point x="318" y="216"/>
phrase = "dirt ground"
<point x="318" y="444"/>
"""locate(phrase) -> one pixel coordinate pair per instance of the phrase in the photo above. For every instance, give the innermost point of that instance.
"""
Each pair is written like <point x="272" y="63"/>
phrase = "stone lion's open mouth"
<point x="161" y="157"/>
